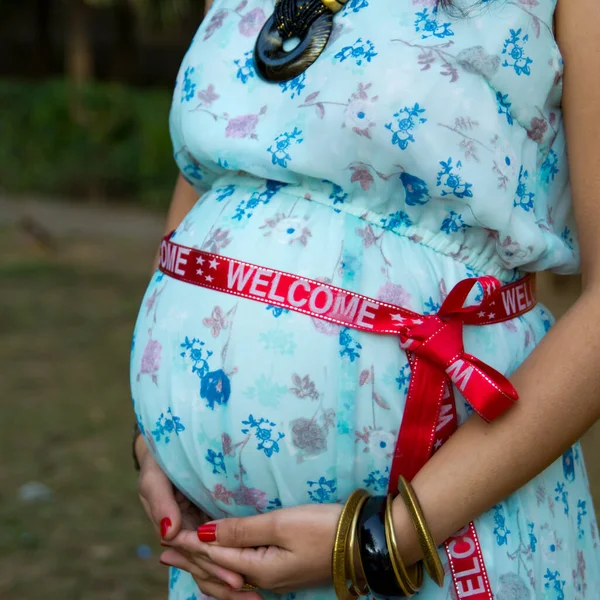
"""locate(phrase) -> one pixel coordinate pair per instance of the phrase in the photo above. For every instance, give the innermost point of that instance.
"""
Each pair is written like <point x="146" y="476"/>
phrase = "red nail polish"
<point x="165" y="525"/>
<point x="207" y="533"/>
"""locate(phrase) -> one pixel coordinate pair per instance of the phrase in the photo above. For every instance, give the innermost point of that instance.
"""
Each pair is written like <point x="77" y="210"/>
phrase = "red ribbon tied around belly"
<point x="434" y="346"/>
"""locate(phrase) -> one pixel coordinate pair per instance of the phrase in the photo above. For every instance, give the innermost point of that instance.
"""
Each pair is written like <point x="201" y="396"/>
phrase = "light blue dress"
<point x="417" y="151"/>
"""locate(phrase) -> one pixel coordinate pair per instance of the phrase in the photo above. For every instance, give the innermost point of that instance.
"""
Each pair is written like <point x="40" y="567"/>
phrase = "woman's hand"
<point x="281" y="551"/>
<point x="171" y="512"/>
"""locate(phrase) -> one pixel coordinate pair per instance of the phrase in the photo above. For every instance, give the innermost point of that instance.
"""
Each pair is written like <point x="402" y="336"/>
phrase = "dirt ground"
<point x="66" y="314"/>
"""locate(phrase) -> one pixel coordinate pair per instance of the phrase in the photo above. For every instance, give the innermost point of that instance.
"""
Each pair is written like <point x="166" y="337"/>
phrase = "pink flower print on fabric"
<point x="244" y="125"/>
<point x="208" y="96"/>
<point x="394" y="294"/>
<point x="217" y="321"/>
<point x="245" y="496"/>
<point x="151" y="359"/>
<point x="252" y="22"/>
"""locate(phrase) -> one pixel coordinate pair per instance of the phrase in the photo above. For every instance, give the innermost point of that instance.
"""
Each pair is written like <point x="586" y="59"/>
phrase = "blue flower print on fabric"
<point x="349" y="347"/>
<point x="263" y="433"/>
<point x="274" y="504"/>
<point x="337" y="195"/>
<point x="562" y="495"/>
<point x="501" y="531"/>
<point x="194" y="171"/>
<point x="431" y="307"/>
<point x="415" y="189"/>
<point x="215" y="386"/>
<point x="523" y="197"/>
<point x="407" y="119"/>
<point x="549" y="169"/>
<point x="166" y="426"/>
<point x="568" y="461"/>
<point x="567" y="238"/>
<point x="322" y="491"/>
<point x="378" y="481"/>
<point x="359" y="52"/>
<point x="279" y="148"/>
<point x="532" y="538"/>
<point x="581" y="512"/>
<point x="277" y="310"/>
<point x="224" y="192"/>
<point x="403" y="378"/>
<point x="427" y="24"/>
<point x="453" y="223"/>
<point x="295" y="86"/>
<point x="245" y="67"/>
<point x="188" y="89"/>
<point x="504" y="106"/>
<point x="514" y="50"/>
<point x="555" y="584"/>
<point x="354" y="6"/>
<point x="217" y="460"/>
<point x="395" y="220"/>
<point x="245" y="207"/>
<point x="451" y="183"/>
<point x="173" y="577"/>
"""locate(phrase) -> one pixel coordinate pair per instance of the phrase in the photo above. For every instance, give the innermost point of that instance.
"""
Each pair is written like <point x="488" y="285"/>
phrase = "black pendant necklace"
<point x="310" y="21"/>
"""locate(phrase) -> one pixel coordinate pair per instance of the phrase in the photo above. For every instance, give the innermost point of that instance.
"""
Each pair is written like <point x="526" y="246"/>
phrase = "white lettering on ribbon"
<point x="259" y="279"/>
<point x="365" y="313"/>
<point x="273" y="291"/>
<point x="312" y="303"/>
<point x="181" y="260"/>
<point x="508" y="298"/>
<point x="345" y="307"/>
<point x="292" y="289"/>
<point x="446" y="416"/>
<point x="459" y="376"/>
<point x="240" y="276"/>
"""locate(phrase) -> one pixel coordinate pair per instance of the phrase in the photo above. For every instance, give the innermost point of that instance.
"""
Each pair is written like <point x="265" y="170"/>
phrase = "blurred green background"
<point x="86" y="174"/>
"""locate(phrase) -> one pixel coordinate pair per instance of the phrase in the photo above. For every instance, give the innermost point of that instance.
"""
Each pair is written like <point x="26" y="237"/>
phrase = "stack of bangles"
<point x="366" y="559"/>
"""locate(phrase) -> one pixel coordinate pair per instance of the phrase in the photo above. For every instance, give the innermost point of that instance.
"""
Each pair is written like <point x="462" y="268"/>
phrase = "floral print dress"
<point x="418" y="150"/>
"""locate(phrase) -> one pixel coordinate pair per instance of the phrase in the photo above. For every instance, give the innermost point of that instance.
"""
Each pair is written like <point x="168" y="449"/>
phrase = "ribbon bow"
<point x="435" y="350"/>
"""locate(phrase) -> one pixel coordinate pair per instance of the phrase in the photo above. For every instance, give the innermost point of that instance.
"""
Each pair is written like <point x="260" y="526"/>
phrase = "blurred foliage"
<point x="119" y="149"/>
<point x="154" y="11"/>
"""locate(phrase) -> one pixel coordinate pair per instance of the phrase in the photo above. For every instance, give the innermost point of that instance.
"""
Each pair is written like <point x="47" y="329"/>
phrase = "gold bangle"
<point x="248" y="587"/>
<point x="352" y="556"/>
<point x="338" y="560"/>
<point x="409" y="579"/>
<point x="433" y="563"/>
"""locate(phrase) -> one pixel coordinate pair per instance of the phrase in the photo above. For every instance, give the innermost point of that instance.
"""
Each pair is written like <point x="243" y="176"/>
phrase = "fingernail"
<point x="165" y="525"/>
<point x="207" y="533"/>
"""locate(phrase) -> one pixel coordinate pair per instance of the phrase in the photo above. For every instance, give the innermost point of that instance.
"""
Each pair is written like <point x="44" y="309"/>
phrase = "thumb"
<point x="243" y="532"/>
<point x="158" y="498"/>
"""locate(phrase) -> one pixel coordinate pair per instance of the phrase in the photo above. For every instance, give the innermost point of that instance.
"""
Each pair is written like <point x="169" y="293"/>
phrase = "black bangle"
<point x="136" y="433"/>
<point x="374" y="552"/>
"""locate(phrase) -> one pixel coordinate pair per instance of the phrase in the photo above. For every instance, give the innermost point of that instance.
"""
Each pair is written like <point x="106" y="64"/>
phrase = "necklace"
<point x="309" y="21"/>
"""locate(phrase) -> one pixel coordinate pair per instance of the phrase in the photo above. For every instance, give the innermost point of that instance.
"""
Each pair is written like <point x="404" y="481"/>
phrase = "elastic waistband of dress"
<point x="482" y="260"/>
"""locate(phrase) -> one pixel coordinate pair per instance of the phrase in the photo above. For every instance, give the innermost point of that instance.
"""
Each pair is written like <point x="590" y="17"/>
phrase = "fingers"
<point x="205" y="581"/>
<point x="187" y="544"/>
<point x="158" y="499"/>
<point x="246" y="532"/>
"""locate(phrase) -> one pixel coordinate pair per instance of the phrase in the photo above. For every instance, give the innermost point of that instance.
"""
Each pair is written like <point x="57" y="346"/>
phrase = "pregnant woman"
<point x="391" y="184"/>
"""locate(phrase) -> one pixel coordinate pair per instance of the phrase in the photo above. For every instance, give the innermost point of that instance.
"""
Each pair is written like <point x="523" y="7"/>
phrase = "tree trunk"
<point x="79" y="56"/>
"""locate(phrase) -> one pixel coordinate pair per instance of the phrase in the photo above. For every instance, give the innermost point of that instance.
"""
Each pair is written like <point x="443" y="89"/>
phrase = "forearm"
<point x="184" y="198"/>
<point x="483" y="463"/>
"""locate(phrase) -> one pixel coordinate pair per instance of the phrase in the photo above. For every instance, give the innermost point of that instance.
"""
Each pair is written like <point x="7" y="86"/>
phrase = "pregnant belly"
<point x="249" y="407"/>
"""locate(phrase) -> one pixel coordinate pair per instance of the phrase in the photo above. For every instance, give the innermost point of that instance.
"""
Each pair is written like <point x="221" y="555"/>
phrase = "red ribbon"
<point x="433" y="344"/>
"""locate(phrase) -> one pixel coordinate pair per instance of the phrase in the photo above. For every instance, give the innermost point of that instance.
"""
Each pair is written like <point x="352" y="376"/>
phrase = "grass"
<point x="65" y="333"/>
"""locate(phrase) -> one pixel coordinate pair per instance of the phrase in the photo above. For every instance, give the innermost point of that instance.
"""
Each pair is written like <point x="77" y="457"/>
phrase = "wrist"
<point x="406" y="535"/>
